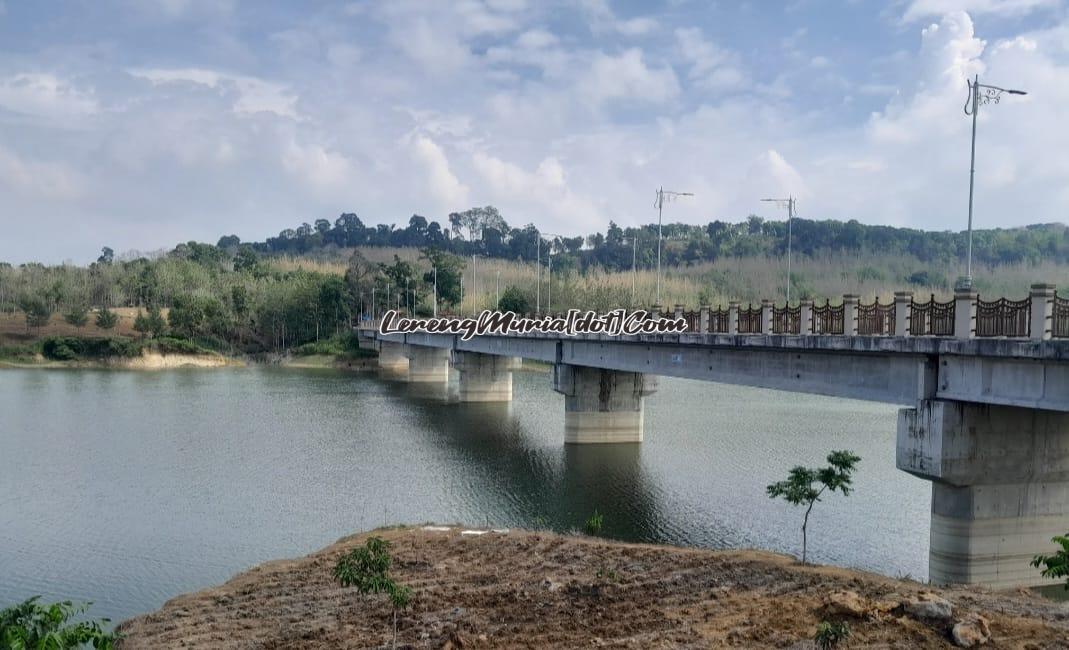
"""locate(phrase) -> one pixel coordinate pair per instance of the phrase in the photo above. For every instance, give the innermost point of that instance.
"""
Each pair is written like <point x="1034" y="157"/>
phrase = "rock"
<point x="845" y="603"/>
<point x="971" y="631"/>
<point x="550" y="584"/>
<point x="930" y="606"/>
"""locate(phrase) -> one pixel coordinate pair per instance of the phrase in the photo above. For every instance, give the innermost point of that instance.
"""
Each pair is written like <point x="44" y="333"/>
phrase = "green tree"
<point x="514" y="300"/>
<point x="77" y="315"/>
<point x="450" y="269"/>
<point x="367" y="568"/>
<point x="155" y="325"/>
<point x="804" y="485"/>
<point x="33" y="626"/>
<point x="36" y="309"/>
<point x="1056" y="565"/>
<point x="106" y="318"/>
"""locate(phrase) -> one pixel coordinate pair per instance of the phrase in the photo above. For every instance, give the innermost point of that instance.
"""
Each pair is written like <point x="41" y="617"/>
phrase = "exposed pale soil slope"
<point x="532" y="589"/>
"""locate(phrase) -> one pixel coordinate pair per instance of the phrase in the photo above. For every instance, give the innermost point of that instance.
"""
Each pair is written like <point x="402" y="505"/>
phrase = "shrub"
<point x="1057" y="565"/>
<point x="831" y="634"/>
<point x="514" y="300"/>
<point x="106" y="319"/>
<point x="594" y="523"/>
<point x="367" y="568"/>
<point x="33" y="626"/>
<point x="77" y="316"/>
<point x="68" y="348"/>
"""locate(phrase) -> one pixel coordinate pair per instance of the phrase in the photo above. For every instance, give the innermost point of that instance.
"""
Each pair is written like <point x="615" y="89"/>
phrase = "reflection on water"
<point x="130" y="488"/>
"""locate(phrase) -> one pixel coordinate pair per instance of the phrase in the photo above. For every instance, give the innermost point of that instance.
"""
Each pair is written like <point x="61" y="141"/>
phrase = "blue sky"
<point x="140" y="123"/>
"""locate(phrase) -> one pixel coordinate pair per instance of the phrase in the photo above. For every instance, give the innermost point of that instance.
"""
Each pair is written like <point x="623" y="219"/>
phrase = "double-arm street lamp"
<point x="788" y="203"/>
<point x="663" y="195"/>
<point x="979" y="94"/>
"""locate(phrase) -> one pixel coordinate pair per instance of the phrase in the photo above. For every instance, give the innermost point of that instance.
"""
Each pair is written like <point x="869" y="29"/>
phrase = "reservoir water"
<point x="129" y="488"/>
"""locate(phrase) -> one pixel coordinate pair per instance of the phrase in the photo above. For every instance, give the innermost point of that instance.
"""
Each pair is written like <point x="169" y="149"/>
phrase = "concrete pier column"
<point x="903" y="306"/>
<point x="426" y="364"/>
<point x="485" y="377"/>
<point x="733" y="317"/>
<point x="392" y="357"/>
<point x="850" y="302"/>
<point x="601" y="405"/>
<point x="964" y="313"/>
<point x="1042" y="297"/>
<point x="805" y="317"/>
<point x="1000" y="487"/>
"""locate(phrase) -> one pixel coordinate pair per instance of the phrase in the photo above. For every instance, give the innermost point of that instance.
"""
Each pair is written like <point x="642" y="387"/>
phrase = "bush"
<point x="594" y="523"/>
<point x="170" y="345"/>
<point x="1057" y="565"/>
<point x="77" y="316"/>
<point x="830" y="635"/>
<point x="106" y="318"/>
<point x="69" y="348"/>
<point x="514" y="300"/>
<point x="34" y="626"/>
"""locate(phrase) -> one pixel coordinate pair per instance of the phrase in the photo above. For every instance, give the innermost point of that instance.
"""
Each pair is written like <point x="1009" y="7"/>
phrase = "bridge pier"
<point x="485" y="377"/>
<point x="392" y="358"/>
<point x="1000" y="487"/>
<point x="427" y="364"/>
<point x="602" y="405"/>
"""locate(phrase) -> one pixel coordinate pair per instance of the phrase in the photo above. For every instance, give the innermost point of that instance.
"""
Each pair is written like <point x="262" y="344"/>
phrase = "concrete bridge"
<point x="985" y="412"/>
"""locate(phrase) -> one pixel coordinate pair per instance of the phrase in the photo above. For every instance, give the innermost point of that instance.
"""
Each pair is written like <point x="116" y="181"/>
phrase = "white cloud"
<point x="711" y="67"/>
<point x="435" y="49"/>
<point x="47" y="96"/>
<point x="443" y="186"/>
<point x="317" y="166"/>
<point x="252" y="95"/>
<point x="919" y="9"/>
<point x="534" y="195"/>
<point x="49" y="181"/>
<point x="627" y="78"/>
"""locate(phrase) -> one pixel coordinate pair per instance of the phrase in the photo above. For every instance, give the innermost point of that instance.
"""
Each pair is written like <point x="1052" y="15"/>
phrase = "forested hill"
<point x="484" y="231"/>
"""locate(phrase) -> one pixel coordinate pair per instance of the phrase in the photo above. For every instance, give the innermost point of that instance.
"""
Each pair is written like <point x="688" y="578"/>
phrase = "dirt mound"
<point x="532" y="589"/>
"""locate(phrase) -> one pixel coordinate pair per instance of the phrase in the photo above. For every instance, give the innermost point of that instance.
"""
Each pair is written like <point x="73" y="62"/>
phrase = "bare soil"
<point x="537" y="590"/>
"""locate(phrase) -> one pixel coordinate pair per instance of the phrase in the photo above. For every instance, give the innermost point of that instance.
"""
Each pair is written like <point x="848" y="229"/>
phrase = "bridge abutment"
<point x="485" y="377"/>
<point x="427" y="364"/>
<point x="392" y="358"/>
<point x="602" y="405"/>
<point x="1000" y="486"/>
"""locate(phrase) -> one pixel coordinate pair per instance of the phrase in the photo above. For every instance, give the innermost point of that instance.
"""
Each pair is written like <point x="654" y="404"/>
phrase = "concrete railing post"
<point x="679" y="312"/>
<point x="766" y="316"/>
<point x="805" y="317"/>
<point x="903" y="305"/>
<point x="1042" y="297"/>
<point x="733" y="317"/>
<point x="703" y="319"/>
<point x="850" y="301"/>
<point x="656" y="310"/>
<point x="964" y="313"/>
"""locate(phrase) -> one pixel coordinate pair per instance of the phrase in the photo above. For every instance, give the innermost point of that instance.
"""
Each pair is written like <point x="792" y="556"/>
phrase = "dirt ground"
<point x="537" y="590"/>
<point x="13" y="327"/>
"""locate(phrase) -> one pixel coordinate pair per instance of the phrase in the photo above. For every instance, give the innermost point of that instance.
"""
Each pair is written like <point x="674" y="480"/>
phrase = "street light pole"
<point x="435" y="268"/>
<point x="634" y="259"/>
<point x="789" y="202"/>
<point x="662" y="196"/>
<point x="538" y="274"/>
<point x="989" y="95"/>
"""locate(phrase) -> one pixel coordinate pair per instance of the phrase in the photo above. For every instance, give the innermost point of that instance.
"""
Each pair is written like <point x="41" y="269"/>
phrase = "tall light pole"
<point x="435" y="269"/>
<point x="549" y="251"/>
<point x="634" y="260"/>
<point x="538" y="274"/>
<point x="789" y="203"/>
<point x="979" y="94"/>
<point x="662" y="196"/>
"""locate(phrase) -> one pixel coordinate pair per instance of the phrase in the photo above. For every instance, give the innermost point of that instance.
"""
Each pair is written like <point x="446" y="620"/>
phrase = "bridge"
<point x="984" y="390"/>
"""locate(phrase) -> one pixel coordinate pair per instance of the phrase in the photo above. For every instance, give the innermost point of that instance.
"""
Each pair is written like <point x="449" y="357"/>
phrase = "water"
<point x="129" y="488"/>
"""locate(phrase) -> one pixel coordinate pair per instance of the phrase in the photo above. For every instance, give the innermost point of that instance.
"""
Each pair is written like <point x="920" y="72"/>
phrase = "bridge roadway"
<point x="986" y="420"/>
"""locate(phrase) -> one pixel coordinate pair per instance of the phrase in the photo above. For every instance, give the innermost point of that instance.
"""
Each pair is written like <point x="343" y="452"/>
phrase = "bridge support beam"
<point x="1000" y="487"/>
<point x="602" y="405"/>
<point x="427" y="365"/>
<point x="392" y="358"/>
<point x="485" y="377"/>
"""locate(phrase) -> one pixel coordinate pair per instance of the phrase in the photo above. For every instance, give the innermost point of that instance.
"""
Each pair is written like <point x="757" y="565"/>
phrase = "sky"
<point x="137" y="124"/>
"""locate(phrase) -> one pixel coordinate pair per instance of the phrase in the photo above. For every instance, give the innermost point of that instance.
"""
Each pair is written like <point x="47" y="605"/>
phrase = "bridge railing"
<point x="1043" y="314"/>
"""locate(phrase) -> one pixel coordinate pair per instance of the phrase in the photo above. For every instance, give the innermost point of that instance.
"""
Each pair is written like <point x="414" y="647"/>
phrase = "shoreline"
<point x="170" y="361"/>
<point x="517" y="588"/>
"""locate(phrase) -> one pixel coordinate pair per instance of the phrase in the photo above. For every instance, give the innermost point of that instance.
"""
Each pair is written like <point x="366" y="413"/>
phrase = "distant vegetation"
<point x="309" y="284"/>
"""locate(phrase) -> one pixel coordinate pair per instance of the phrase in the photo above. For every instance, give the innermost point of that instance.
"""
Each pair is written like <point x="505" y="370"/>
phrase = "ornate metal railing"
<point x="1003" y="317"/>
<point x="828" y="319"/>
<point x="786" y="320"/>
<point x="1059" y="325"/>
<point x="931" y="318"/>
<point x="750" y="320"/>
<point x="719" y="323"/>
<point x="694" y="320"/>
<point x="876" y="319"/>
